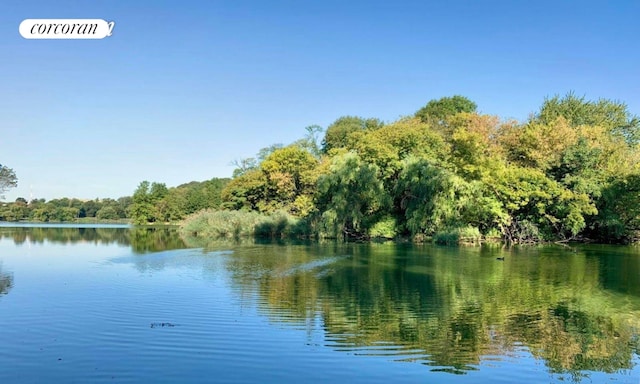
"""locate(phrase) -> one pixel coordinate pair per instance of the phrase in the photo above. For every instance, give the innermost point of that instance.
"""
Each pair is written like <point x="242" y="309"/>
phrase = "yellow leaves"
<point x="538" y="145"/>
<point x="388" y="146"/>
<point x="303" y="206"/>
<point x="291" y="159"/>
<point x="543" y="145"/>
<point x="283" y="184"/>
<point x="473" y="142"/>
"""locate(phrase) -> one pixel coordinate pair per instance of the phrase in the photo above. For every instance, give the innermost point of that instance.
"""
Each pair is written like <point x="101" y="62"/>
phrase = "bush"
<point x="493" y="235"/>
<point x="385" y="228"/>
<point x="454" y="236"/>
<point x="236" y="224"/>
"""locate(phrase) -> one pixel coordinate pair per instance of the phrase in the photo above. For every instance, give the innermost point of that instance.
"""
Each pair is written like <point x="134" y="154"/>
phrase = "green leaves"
<point x="431" y="197"/>
<point x="337" y="134"/>
<point x="350" y="196"/>
<point x="449" y="168"/>
<point x="614" y="116"/>
<point x="437" y="111"/>
<point x="8" y="179"/>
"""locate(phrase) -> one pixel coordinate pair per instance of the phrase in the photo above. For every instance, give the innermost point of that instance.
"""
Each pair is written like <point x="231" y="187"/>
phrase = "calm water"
<point x="136" y="305"/>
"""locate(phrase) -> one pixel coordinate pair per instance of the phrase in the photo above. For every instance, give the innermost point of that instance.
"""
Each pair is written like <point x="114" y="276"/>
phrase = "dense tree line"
<point x="65" y="209"/>
<point x="570" y="171"/>
<point x="155" y="203"/>
<point x="150" y="203"/>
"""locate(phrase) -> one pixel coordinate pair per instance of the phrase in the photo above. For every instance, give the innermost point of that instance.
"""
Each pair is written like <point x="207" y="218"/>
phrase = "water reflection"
<point x="145" y="240"/>
<point x="452" y="309"/>
<point x="141" y="239"/>
<point x="6" y="281"/>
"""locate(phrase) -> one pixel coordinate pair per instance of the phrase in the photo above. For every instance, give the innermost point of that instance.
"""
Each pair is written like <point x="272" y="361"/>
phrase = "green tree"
<point x="351" y="198"/>
<point x="528" y="196"/>
<point x="310" y="141"/>
<point x="107" y="213"/>
<point x="44" y="213"/>
<point x="437" y="111"/>
<point x="123" y="206"/>
<point x="8" y="179"/>
<point x="89" y="208"/>
<point x="63" y="214"/>
<point x="432" y="198"/>
<point x="388" y="146"/>
<point x="142" y="209"/>
<point x="158" y="191"/>
<point x="338" y="132"/>
<point x="614" y="116"/>
<point x="619" y="211"/>
<point x="245" y="192"/>
<point x="290" y="174"/>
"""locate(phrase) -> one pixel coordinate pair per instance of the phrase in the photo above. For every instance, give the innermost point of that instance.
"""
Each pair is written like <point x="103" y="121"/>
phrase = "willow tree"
<point x="431" y="197"/>
<point x="350" y="197"/>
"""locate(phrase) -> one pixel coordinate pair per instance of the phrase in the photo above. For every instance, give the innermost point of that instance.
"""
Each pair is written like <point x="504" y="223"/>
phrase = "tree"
<point x="64" y="214"/>
<point x="290" y="173"/>
<point x="158" y="191"/>
<point x="107" y="213"/>
<point x="123" y="206"/>
<point x="527" y="195"/>
<point x="245" y="192"/>
<point x="244" y="165"/>
<point x="8" y="179"/>
<point x="142" y="209"/>
<point x="337" y="134"/>
<point x="474" y="145"/>
<point x="614" y="116"/>
<point x="310" y="141"/>
<point x="89" y="208"/>
<point x="350" y="197"/>
<point x="619" y="210"/>
<point x="436" y="111"/>
<point x="432" y="198"/>
<point x="387" y="146"/>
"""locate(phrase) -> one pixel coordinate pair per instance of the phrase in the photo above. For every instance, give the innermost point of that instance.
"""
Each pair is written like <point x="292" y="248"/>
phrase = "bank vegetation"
<point x="571" y="172"/>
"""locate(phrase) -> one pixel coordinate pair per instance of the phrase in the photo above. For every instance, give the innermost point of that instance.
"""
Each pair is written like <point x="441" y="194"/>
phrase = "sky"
<point x="183" y="88"/>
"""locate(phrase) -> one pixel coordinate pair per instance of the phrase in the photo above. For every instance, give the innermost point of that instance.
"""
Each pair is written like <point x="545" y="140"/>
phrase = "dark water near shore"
<point x="123" y="304"/>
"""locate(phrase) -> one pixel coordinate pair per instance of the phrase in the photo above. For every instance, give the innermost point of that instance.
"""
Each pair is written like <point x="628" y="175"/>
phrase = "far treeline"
<point x="571" y="172"/>
<point x="159" y="204"/>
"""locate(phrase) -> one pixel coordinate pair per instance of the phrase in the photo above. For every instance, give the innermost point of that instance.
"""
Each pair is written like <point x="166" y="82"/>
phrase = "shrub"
<point x="236" y="224"/>
<point x="459" y="235"/>
<point x="385" y="228"/>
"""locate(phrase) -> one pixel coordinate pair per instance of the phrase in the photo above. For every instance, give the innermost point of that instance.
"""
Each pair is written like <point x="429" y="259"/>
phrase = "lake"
<point x="117" y="304"/>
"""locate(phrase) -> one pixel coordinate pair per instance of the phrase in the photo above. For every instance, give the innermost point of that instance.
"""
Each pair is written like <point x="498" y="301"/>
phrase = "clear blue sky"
<point x="182" y="88"/>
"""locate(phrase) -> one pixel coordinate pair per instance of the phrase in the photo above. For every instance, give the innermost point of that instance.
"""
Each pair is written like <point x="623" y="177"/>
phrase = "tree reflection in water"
<point x="6" y="281"/>
<point x="141" y="239"/>
<point x="451" y="308"/>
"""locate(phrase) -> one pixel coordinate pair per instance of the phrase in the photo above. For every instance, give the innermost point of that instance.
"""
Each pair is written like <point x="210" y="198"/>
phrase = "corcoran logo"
<point x="66" y="28"/>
